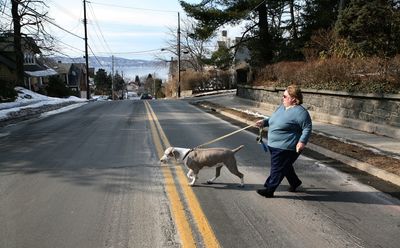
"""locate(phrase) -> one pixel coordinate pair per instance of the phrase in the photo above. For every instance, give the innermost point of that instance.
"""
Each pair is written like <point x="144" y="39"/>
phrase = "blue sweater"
<point x="287" y="127"/>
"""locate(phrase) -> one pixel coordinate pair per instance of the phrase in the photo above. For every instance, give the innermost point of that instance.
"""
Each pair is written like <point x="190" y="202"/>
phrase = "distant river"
<point x="130" y="72"/>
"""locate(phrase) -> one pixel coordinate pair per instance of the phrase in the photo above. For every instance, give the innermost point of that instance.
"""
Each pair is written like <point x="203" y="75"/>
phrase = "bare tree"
<point x="193" y="49"/>
<point x="28" y="18"/>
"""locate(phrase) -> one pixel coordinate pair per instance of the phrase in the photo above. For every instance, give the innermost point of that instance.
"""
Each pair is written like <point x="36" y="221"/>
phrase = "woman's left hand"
<point x="300" y="147"/>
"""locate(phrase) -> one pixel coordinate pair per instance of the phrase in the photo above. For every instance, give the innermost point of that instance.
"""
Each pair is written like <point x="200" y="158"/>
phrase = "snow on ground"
<point x="30" y="99"/>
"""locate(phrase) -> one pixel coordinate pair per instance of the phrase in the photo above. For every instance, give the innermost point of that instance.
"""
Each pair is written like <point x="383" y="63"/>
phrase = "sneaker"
<point x="265" y="192"/>
<point x="293" y="188"/>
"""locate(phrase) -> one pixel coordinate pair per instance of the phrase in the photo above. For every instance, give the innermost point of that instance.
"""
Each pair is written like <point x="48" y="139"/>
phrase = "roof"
<point x="27" y="43"/>
<point x="42" y="73"/>
<point x="38" y="71"/>
<point x="62" y="68"/>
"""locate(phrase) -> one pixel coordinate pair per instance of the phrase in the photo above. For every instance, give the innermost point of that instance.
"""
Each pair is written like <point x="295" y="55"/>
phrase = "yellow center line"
<point x="177" y="208"/>
<point x="206" y="232"/>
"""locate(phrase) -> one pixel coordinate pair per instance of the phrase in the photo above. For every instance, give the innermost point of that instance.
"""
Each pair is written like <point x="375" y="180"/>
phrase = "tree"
<point x="27" y="13"/>
<point x="194" y="49"/>
<point x="222" y="58"/>
<point x="263" y="19"/>
<point x="119" y="82"/>
<point x="318" y="18"/>
<point x="371" y="27"/>
<point x="137" y="81"/>
<point x="149" y="84"/>
<point x="318" y="15"/>
<point x="158" y="87"/>
<point x="102" y="82"/>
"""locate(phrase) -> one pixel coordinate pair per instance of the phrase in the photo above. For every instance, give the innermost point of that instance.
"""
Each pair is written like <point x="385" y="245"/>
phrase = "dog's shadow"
<point x="230" y="186"/>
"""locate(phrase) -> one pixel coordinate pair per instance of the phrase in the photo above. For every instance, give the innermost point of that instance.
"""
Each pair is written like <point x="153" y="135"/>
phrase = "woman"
<point x="289" y="129"/>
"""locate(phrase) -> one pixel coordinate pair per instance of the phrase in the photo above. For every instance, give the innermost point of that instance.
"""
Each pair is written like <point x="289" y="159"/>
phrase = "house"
<point x="73" y="75"/>
<point x="241" y="66"/>
<point x="241" y="70"/>
<point x="35" y="73"/>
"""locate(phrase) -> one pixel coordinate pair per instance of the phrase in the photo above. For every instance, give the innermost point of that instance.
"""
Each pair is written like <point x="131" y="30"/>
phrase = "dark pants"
<point x="282" y="166"/>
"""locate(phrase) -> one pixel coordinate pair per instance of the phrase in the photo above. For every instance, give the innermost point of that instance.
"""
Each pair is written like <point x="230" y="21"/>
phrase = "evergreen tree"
<point x="371" y="27"/>
<point x="57" y="88"/>
<point x="222" y="58"/>
<point x="119" y="82"/>
<point x="318" y="15"/>
<point x="137" y="80"/>
<point x="213" y="14"/>
<point x="102" y="82"/>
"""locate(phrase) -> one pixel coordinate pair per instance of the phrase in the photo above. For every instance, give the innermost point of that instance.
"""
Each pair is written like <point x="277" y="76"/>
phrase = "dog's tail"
<point x="237" y="149"/>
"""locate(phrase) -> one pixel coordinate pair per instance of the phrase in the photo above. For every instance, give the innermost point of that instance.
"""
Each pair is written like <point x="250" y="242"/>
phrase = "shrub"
<point x="7" y="91"/>
<point x="57" y="88"/>
<point x="192" y="80"/>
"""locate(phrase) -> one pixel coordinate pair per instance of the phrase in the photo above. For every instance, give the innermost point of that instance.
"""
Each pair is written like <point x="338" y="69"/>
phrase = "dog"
<point x="196" y="159"/>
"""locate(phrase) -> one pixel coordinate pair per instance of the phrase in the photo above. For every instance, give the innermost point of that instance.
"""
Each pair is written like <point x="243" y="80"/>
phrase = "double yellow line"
<point x="179" y="214"/>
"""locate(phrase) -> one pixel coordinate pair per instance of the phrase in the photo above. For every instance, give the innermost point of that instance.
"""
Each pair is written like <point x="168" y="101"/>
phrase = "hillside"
<point x="99" y="62"/>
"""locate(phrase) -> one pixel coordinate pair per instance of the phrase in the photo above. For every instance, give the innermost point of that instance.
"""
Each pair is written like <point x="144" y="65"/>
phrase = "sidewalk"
<point x="381" y="144"/>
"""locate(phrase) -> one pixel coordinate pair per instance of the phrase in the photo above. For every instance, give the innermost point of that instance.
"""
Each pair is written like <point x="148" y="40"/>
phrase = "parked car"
<point x="146" y="96"/>
<point x="103" y="98"/>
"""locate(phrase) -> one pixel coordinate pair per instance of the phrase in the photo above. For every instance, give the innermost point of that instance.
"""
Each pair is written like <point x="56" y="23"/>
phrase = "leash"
<point x="260" y="141"/>
<point x="223" y="137"/>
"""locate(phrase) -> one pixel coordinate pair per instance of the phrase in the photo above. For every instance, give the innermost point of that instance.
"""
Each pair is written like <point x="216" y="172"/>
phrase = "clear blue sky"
<point x="135" y="29"/>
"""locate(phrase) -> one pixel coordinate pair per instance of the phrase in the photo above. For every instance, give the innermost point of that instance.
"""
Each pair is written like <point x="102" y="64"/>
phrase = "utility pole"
<point x="112" y="77"/>
<point x="179" y="55"/>
<point x="154" y="85"/>
<point x="86" y="51"/>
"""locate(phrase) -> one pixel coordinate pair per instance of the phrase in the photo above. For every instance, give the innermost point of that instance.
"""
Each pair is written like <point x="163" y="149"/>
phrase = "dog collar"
<point x="187" y="154"/>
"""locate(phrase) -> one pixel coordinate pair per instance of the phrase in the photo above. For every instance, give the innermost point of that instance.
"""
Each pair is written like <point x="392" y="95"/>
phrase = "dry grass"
<point x="366" y="75"/>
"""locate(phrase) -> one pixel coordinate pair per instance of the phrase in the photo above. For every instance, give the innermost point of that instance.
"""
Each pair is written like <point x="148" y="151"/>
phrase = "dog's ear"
<point x="175" y="153"/>
<point x="168" y="151"/>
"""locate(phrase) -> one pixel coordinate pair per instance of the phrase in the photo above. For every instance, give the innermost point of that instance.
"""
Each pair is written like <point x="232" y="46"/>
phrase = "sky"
<point x="134" y="29"/>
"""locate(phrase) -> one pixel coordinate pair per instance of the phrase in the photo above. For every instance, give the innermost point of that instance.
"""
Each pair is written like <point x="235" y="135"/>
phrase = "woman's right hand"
<point x="260" y="123"/>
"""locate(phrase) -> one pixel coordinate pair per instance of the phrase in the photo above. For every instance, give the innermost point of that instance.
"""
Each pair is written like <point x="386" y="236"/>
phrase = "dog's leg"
<point x="232" y="167"/>
<point x="194" y="177"/>
<point x="217" y="173"/>
<point x="189" y="174"/>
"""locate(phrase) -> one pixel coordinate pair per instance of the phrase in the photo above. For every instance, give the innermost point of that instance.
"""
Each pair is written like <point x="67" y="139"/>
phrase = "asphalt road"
<point x="90" y="177"/>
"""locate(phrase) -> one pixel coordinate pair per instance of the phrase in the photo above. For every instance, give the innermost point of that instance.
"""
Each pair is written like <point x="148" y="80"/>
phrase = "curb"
<point x="387" y="176"/>
<point x="370" y="169"/>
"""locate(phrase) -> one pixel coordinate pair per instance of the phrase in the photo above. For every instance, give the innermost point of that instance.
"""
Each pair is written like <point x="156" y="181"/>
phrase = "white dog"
<point x="196" y="159"/>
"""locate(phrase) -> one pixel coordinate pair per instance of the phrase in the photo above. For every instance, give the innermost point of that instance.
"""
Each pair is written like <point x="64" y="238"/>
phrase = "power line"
<point x="141" y="52"/>
<point x="64" y="10"/>
<point x="98" y="61"/>
<point x="66" y="55"/>
<point x="76" y="49"/>
<point x="58" y="40"/>
<point x="98" y="27"/>
<point x="127" y="7"/>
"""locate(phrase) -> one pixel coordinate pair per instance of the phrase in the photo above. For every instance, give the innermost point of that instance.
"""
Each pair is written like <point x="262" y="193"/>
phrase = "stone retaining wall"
<point x="373" y="113"/>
